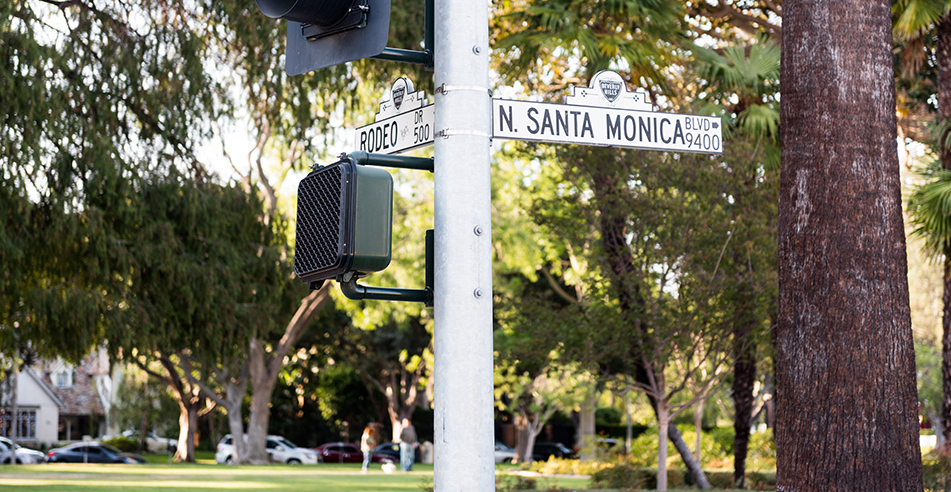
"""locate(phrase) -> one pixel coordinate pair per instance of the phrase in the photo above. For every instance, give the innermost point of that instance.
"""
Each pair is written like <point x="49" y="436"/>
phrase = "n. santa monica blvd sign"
<point x="402" y="124"/>
<point x="606" y="114"/>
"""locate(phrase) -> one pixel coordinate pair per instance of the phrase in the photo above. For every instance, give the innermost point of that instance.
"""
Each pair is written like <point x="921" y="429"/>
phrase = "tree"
<point x="742" y="82"/>
<point x="534" y="400"/>
<point x="847" y="409"/>
<point x="548" y="44"/>
<point x="923" y="28"/>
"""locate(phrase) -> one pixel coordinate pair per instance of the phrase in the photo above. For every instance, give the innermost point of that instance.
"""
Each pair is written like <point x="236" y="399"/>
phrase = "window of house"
<point x="25" y="426"/>
<point x="64" y="377"/>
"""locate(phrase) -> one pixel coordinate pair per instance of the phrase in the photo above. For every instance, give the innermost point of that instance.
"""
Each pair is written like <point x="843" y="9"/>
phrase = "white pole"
<point x="464" y="401"/>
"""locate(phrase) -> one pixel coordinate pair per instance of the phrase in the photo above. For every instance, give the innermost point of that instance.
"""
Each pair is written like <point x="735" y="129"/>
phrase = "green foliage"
<point x="124" y="444"/>
<point x="762" y="452"/>
<point x="930" y="208"/>
<point x="913" y="16"/>
<point x="539" y="38"/>
<point x="627" y="477"/>
<point x="936" y="473"/>
<point x="514" y="483"/>
<point x="560" y="466"/>
<point x="143" y="404"/>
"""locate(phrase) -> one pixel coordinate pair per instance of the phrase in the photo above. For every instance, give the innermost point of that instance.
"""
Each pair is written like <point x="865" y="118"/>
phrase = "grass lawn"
<point x="211" y="477"/>
<point x="206" y="476"/>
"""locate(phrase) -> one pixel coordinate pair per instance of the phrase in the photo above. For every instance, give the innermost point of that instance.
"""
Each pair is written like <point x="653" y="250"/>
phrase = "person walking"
<point x="369" y="441"/>
<point x="407" y="445"/>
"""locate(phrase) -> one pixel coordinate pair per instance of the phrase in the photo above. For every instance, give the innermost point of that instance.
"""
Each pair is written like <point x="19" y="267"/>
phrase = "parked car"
<point x="92" y="452"/>
<point x="25" y="456"/>
<point x="153" y="443"/>
<point x="544" y="450"/>
<point x="503" y="453"/>
<point x="343" y="452"/>
<point x="279" y="450"/>
<point x="339" y="452"/>
<point x="389" y="452"/>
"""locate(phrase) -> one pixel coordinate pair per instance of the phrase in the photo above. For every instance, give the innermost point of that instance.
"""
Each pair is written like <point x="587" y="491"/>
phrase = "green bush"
<point x="624" y="477"/>
<point x="717" y="479"/>
<point x="512" y="483"/>
<point x="761" y="481"/>
<point x="724" y="437"/>
<point x="124" y="444"/>
<point x="644" y="449"/>
<point x="936" y="473"/>
<point x="558" y="466"/>
<point x="762" y="452"/>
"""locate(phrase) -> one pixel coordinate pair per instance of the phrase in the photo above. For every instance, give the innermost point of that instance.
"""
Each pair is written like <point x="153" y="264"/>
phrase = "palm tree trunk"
<point x="943" y="50"/>
<point x="845" y="354"/>
<point x="946" y="354"/>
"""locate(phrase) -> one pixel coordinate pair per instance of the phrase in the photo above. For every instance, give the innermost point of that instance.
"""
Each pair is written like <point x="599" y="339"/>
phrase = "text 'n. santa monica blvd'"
<point x="603" y="126"/>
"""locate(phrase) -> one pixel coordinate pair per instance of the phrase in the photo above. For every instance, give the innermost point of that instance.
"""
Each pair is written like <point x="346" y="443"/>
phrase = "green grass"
<point x="202" y="477"/>
<point x="206" y="476"/>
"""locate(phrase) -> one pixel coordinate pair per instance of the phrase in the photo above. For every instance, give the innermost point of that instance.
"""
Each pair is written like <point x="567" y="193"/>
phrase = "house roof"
<point x="42" y="385"/>
<point x="81" y="398"/>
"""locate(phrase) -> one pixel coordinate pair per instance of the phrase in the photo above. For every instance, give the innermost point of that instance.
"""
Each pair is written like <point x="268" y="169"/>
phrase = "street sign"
<point x="403" y="123"/>
<point x="606" y="114"/>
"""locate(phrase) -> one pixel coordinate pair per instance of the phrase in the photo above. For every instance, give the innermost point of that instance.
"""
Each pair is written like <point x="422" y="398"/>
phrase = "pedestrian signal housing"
<point x="323" y="33"/>
<point x="344" y="221"/>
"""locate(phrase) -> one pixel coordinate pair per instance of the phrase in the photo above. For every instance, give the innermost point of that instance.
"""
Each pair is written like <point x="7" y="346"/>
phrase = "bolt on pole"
<point x="464" y="398"/>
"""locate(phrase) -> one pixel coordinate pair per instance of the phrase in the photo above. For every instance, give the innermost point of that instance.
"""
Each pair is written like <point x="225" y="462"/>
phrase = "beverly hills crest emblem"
<point x="607" y="89"/>
<point x="399" y="90"/>
<point x="610" y="87"/>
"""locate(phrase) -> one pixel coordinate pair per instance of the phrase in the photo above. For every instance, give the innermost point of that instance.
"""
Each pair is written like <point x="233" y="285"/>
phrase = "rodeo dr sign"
<point x="404" y="122"/>
<point x="606" y="114"/>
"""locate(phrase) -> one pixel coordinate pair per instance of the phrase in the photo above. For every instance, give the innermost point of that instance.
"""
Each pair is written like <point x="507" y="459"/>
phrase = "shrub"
<point x="762" y="452"/>
<point x="558" y="466"/>
<point x="936" y="473"/>
<point x="624" y="477"/>
<point x="124" y="444"/>
<point x="512" y="483"/>
<point x="761" y="481"/>
<point x="724" y="437"/>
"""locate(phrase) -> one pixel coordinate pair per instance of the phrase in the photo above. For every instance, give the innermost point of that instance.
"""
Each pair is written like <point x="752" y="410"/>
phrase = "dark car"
<point x="339" y="452"/>
<point x="343" y="452"/>
<point x="390" y="452"/>
<point x="544" y="450"/>
<point x="92" y="452"/>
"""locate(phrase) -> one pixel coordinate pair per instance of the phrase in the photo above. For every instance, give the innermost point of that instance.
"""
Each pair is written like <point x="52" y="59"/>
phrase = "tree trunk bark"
<point x="264" y="367"/>
<point x="698" y="428"/>
<point x="662" y="423"/>
<point x="744" y="377"/>
<point x="523" y="448"/>
<point x="946" y="353"/>
<point x="943" y="54"/>
<point x="847" y="415"/>
<point x="692" y="464"/>
<point x="586" y="428"/>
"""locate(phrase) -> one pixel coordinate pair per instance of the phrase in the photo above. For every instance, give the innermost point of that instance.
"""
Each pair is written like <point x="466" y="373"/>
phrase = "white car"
<point x="279" y="450"/>
<point x="503" y="453"/>
<point x="25" y="456"/>
<point x="153" y="443"/>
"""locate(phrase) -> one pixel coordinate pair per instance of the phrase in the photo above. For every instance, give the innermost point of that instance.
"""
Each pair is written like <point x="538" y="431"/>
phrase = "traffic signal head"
<point x="344" y="221"/>
<point x="323" y="33"/>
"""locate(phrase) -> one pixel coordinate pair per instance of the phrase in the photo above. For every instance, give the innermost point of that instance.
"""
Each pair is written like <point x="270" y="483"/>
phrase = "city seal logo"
<point x="610" y="84"/>
<point x="399" y="91"/>
<point x="610" y="89"/>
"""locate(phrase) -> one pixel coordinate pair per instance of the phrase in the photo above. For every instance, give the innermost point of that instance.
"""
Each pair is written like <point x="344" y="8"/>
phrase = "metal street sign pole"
<point x="464" y="431"/>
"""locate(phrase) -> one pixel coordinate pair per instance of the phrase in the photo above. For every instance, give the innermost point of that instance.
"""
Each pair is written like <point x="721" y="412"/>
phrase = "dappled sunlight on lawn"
<point x="108" y="483"/>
